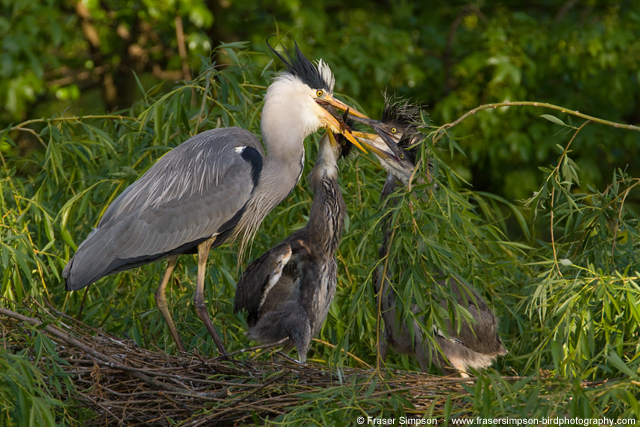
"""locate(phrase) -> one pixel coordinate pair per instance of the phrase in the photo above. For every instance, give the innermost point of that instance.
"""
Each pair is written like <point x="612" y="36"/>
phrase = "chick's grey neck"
<point x="326" y="219"/>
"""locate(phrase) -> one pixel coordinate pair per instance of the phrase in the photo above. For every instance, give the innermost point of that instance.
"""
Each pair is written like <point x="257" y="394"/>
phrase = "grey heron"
<point x="477" y="344"/>
<point x="287" y="291"/>
<point x="217" y="186"/>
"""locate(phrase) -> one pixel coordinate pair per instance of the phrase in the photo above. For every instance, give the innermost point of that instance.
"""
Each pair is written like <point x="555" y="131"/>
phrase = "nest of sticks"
<point x="128" y="385"/>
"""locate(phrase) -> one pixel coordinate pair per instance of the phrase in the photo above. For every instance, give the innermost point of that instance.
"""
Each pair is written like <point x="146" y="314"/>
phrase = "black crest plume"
<point x="400" y="111"/>
<point x="304" y="69"/>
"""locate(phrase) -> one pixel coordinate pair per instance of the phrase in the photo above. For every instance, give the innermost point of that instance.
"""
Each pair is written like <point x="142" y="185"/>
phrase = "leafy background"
<point x="539" y="215"/>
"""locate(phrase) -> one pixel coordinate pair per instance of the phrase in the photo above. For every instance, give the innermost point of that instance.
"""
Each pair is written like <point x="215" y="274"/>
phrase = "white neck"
<point x="289" y="115"/>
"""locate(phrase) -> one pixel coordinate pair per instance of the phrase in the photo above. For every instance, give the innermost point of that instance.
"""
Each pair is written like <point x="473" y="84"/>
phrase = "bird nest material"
<point x="128" y="385"/>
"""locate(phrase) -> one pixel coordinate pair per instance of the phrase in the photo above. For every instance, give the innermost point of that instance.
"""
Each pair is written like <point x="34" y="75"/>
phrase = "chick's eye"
<point x="319" y="93"/>
<point x="394" y="130"/>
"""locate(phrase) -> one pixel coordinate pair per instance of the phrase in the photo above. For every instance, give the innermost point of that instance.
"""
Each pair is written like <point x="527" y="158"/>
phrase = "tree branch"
<point x="182" y="49"/>
<point x="564" y="10"/>
<point x="89" y="30"/>
<point x="440" y="133"/>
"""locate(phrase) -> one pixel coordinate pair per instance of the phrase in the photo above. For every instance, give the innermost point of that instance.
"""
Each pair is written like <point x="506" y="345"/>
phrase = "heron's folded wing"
<point x="194" y="192"/>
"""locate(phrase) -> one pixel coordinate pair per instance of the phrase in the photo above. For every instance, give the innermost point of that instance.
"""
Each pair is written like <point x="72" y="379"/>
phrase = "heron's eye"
<point x="401" y="156"/>
<point x="319" y="93"/>
<point x="394" y="130"/>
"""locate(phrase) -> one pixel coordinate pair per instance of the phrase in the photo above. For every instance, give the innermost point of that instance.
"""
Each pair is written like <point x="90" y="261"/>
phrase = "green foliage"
<point x="584" y="302"/>
<point x="30" y="393"/>
<point x="566" y="293"/>
<point x="450" y="56"/>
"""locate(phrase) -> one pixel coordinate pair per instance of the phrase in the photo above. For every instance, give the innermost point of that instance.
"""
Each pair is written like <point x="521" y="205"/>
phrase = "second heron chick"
<point x="474" y="344"/>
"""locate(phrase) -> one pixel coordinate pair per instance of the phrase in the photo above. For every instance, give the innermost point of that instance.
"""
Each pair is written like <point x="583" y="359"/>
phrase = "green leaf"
<point x="615" y="360"/>
<point x="553" y="119"/>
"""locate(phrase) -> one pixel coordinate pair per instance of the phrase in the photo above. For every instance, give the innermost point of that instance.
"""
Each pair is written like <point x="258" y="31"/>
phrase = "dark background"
<point x="59" y="57"/>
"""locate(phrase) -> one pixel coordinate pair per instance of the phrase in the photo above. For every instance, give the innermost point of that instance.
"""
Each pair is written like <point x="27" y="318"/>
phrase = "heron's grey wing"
<point x="258" y="279"/>
<point x="196" y="191"/>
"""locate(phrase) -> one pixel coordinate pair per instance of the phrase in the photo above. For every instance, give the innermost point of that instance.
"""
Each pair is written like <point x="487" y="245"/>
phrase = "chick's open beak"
<point x="383" y="143"/>
<point x="381" y="146"/>
<point x="335" y="126"/>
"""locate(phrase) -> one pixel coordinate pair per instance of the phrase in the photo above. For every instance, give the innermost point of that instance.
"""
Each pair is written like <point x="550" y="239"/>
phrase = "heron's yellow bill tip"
<point x="353" y="140"/>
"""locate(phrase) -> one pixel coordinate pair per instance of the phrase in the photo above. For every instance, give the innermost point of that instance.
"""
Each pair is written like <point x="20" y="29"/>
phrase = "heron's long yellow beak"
<point x="335" y="126"/>
<point x="336" y="103"/>
<point x="370" y="140"/>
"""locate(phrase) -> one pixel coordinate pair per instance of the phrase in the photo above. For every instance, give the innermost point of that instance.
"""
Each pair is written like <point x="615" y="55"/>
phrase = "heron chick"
<point x="477" y="344"/>
<point x="217" y="186"/>
<point x="287" y="291"/>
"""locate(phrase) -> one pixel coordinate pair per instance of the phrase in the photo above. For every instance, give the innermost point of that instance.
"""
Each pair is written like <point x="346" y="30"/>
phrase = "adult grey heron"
<point x="287" y="291"/>
<point x="214" y="187"/>
<point x="477" y="345"/>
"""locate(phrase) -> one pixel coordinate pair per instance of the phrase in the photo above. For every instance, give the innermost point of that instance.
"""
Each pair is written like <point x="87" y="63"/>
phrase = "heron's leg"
<point x="383" y="350"/>
<point x="161" y="301"/>
<point x="423" y="351"/>
<point x="386" y="316"/>
<point x="198" y="300"/>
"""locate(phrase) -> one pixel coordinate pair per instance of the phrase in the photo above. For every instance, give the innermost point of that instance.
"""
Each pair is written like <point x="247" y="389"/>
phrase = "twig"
<point x="265" y="388"/>
<point x="234" y="402"/>
<point x="353" y="356"/>
<point x="204" y="99"/>
<point x="383" y="282"/>
<point x="530" y="104"/>
<point x="31" y="131"/>
<point x="258" y="347"/>
<point x="557" y="172"/>
<point x="72" y="118"/>
<point x="101" y="407"/>
<point x="288" y="358"/>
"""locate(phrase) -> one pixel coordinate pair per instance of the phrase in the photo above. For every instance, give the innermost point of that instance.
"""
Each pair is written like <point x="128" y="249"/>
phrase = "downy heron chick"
<point x="214" y="187"/>
<point x="477" y="344"/>
<point x="287" y="291"/>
